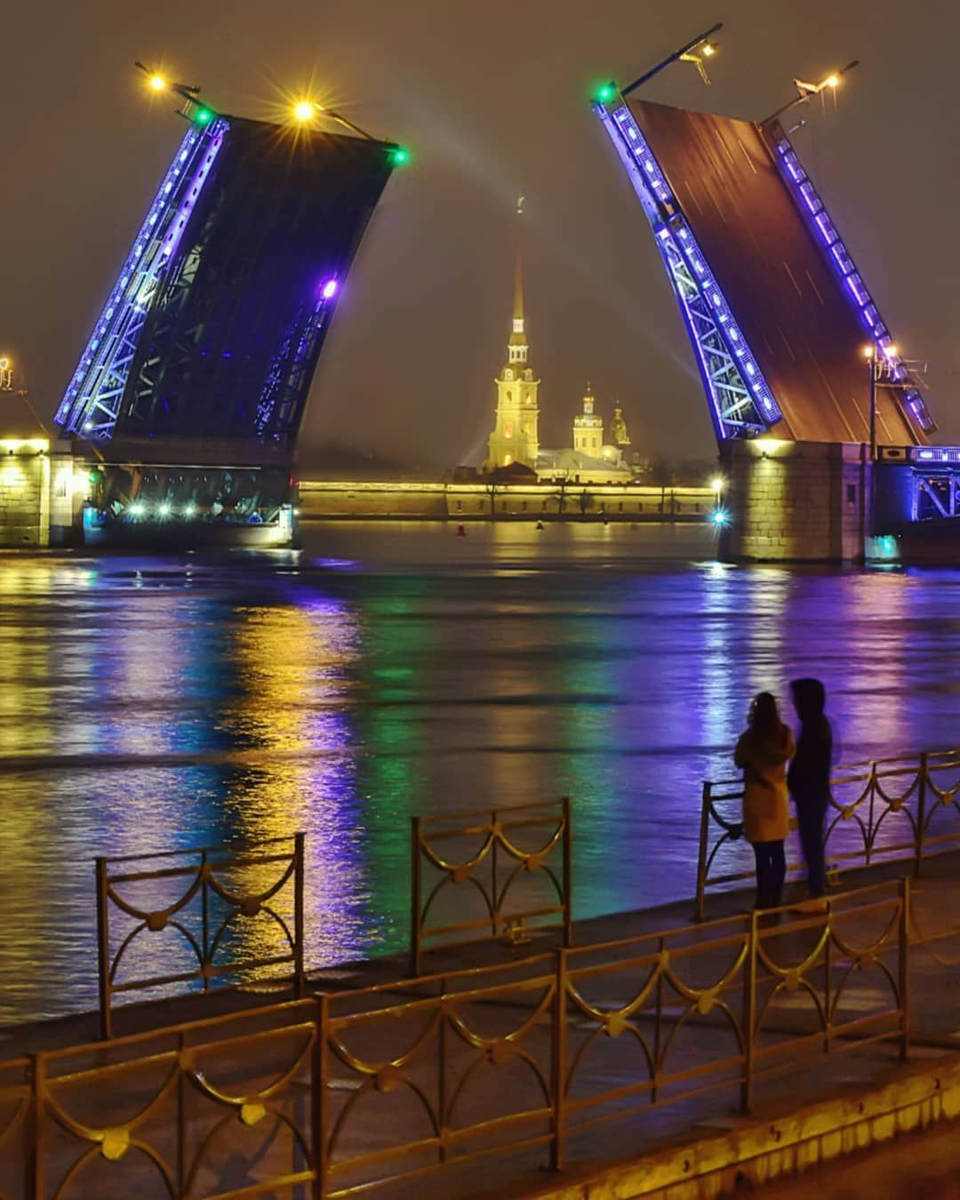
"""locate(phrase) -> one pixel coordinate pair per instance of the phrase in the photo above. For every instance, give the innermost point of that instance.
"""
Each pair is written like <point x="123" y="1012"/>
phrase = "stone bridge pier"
<point x="795" y="501"/>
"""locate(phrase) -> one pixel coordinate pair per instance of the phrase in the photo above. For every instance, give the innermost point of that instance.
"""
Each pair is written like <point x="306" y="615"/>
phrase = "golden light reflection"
<point x="292" y="695"/>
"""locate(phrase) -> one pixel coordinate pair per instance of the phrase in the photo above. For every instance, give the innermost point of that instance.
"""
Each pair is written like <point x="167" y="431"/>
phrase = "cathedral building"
<point x="588" y="428"/>
<point x="515" y="440"/>
<point x="515" y="437"/>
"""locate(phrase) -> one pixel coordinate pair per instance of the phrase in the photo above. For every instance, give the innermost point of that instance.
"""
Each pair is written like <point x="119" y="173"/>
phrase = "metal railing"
<point x="483" y="851"/>
<point x="358" y="1091"/>
<point x="213" y="888"/>
<point x="891" y="809"/>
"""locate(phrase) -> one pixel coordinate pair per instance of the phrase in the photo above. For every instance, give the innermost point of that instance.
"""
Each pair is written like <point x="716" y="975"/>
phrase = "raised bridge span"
<point x="829" y="455"/>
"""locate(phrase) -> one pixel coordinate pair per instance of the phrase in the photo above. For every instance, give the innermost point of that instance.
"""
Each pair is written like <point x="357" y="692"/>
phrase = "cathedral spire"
<point x="518" y="334"/>
<point x="515" y="437"/>
<point x="518" y="276"/>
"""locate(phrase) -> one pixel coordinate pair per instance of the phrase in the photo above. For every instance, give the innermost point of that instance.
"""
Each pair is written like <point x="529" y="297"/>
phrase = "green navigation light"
<point x="203" y="116"/>
<point x="399" y="156"/>
<point x="605" y="93"/>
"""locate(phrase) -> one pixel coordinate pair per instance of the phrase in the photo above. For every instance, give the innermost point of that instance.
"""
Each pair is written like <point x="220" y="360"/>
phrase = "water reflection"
<point x="146" y="704"/>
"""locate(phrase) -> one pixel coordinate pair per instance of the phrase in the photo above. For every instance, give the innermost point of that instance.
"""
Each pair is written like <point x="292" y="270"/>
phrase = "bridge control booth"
<point x="823" y="431"/>
<point x="187" y="400"/>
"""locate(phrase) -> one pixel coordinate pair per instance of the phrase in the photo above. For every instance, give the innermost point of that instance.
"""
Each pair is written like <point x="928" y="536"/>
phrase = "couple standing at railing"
<point x="763" y="751"/>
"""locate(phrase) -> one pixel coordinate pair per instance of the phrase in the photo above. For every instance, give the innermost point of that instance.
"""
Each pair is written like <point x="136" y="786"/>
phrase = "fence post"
<point x="205" y="917"/>
<point x="494" y="878"/>
<point x="921" y="812"/>
<point x="749" y="1016"/>
<point x="905" y="968"/>
<point x="415" y="898"/>
<point x="872" y="786"/>
<point x="181" y="1119"/>
<point x="34" y="1186"/>
<point x="298" y="839"/>
<point x="702" y="852"/>
<point x="103" y="948"/>
<point x="319" y="1098"/>
<point x="559" y="1069"/>
<point x="442" y="1070"/>
<point x="567" y="872"/>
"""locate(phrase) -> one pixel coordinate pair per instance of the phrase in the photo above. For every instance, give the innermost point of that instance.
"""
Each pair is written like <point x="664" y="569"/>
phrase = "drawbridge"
<point x="776" y="309"/>
<point x="191" y="389"/>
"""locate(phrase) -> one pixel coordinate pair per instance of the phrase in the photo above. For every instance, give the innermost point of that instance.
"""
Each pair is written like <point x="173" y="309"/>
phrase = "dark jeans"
<point x="811" y="813"/>
<point x="771" y="868"/>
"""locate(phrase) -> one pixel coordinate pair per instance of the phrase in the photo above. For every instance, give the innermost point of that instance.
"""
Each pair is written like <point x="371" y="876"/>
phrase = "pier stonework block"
<point x="794" y="501"/>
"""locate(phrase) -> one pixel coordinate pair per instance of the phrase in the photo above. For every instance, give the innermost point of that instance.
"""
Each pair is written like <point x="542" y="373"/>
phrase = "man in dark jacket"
<point x="809" y="779"/>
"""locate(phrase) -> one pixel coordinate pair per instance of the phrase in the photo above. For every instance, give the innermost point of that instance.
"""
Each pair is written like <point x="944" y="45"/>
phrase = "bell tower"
<point x="515" y="436"/>
<point x="588" y="428"/>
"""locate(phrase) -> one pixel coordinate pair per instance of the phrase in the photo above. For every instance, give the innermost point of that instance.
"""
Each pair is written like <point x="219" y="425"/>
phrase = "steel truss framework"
<point x="214" y="328"/>
<point x="741" y="402"/>
<point x="92" y="401"/>
<point x="935" y="496"/>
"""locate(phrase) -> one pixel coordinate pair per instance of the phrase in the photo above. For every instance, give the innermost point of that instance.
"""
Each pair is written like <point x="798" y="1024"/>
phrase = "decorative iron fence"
<point x="513" y="883"/>
<point x="893" y="810"/>
<point x="337" y="1095"/>
<point x="236" y="913"/>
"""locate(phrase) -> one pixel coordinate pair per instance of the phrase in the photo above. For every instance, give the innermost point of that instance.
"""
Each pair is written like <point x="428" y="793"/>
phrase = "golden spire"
<point x="518" y="275"/>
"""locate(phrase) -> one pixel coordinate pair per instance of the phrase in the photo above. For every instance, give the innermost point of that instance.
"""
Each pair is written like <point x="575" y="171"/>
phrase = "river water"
<point x="389" y="669"/>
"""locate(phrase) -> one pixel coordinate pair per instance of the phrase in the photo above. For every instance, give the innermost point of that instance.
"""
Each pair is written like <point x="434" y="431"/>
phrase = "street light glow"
<point x="304" y="110"/>
<point x="717" y="483"/>
<point x="868" y="352"/>
<point x="890" y="351"/>
<point x="157" y="83"/>
<point x="709" y="49"/>
<point x="832" y="80"/>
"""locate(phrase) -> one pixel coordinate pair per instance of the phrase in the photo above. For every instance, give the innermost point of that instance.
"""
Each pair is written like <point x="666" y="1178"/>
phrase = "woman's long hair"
<point x="764" y="717"/>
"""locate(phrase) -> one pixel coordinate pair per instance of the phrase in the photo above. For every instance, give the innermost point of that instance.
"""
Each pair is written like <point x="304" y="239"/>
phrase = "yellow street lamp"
<point x="304" y="111"/>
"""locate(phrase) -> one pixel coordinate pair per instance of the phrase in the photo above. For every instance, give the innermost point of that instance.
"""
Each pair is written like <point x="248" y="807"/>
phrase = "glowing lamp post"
<point x="877" y="364"/>
<point x="6" y="374"/>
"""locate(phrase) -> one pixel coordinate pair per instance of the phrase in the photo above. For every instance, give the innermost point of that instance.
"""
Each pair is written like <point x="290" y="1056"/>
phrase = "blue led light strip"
<point x="742" y="403"/>
<point x="818" y="219"/>
<point x="92" y="400"/>
<point x="286" y="375"/>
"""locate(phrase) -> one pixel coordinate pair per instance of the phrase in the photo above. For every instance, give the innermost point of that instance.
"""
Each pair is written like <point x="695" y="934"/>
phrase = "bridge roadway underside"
<point x="790" y="306"/>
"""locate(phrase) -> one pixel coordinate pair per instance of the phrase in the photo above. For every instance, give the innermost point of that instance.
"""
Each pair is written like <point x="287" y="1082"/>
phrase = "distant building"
<point x="590" y="460"/>
<point x="618" y="428"/>
<point x="515" y="437"/>
<point x="515" y="440"/>
<point x="588" y="428"/>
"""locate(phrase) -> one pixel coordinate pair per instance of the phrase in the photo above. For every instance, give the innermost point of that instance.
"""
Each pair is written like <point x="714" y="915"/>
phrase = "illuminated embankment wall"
<point x="479" y="501"/>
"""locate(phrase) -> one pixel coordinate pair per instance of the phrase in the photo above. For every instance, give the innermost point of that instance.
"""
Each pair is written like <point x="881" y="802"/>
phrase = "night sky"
<point x="492" y="97"/>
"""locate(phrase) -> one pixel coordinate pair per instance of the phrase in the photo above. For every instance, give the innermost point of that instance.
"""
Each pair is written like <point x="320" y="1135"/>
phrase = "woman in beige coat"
<point x="762" y="752"/>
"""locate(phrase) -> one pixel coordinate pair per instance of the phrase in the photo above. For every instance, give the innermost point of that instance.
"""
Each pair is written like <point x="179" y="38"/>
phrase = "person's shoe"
<point x="814" y="905"/>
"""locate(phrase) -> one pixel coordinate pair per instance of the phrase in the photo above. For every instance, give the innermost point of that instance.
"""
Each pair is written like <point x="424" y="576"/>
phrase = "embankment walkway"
<point x="625" y="1062"/>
